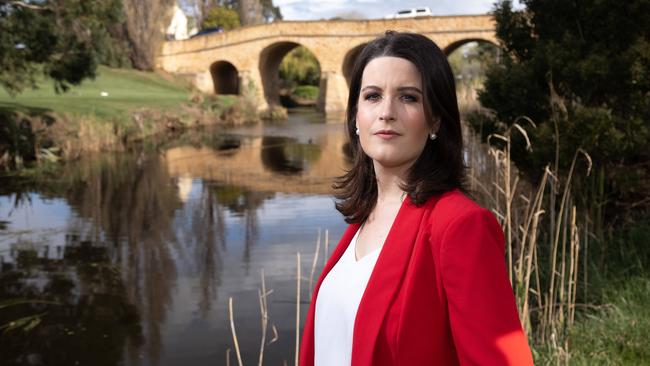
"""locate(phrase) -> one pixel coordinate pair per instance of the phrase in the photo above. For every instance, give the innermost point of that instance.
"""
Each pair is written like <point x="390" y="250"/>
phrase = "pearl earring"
<point x="357" y="131"/>
<point x="432" y="136"/>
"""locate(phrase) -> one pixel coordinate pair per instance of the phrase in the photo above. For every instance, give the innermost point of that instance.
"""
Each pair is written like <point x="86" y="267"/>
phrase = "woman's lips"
<point x="386" y="134"/>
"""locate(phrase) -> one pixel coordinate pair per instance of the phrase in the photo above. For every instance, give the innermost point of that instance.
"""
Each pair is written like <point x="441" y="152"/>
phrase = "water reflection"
<point x="141" y="251"/>
<point x="286" y="156"/>
<point x="83" y="307"/>
<point x="266" y="163"/>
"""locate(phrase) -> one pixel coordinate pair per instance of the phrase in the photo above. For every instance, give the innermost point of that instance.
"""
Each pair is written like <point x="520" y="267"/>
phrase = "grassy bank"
<point x="107" y="113"/>
<point x="613" y="319"/>
<point x="615" y="333"/>
<point x="124" y="91"/>
<point x="612" y="332"/>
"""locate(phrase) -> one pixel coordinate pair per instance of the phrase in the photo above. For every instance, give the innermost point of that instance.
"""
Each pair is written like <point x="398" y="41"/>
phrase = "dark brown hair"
<point x="440" y="167"/>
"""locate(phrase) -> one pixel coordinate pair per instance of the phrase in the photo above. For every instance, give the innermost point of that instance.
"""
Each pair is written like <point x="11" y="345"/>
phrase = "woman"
<point x="419" y="277"/>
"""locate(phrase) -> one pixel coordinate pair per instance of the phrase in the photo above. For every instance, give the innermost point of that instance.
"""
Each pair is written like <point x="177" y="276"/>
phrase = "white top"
<point x="336" y="306"/>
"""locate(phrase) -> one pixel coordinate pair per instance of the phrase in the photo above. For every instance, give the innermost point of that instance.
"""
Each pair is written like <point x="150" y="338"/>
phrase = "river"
<point x="134" y="255"/>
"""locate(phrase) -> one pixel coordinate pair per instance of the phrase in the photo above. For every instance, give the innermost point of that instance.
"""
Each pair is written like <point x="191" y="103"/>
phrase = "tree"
<point x="144" y="29"/>
<point x="469" y="61"/>
<point x="220" y="16"/>
<point x="581" y="71"/>
<point x="250" y="11"/>
<point x="299" y="67"/>
<point x="65" y="39"/>
<point x="253" y="12"/>
<point x="201" y="8"/>
<point x="270" y="12"/>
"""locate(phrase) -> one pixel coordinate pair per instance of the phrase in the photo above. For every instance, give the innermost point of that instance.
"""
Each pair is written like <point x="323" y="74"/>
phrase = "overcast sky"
<point x="373" y="9"/>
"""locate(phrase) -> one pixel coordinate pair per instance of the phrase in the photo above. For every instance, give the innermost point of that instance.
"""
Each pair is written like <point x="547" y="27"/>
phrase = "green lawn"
<point x="616" y="330"/>
<point x="618" y="333"/>
<point x="615" y="333"/>
<point x="127" y="90"/>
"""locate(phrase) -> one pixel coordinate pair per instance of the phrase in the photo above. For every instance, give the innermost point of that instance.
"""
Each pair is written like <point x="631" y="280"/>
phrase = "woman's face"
<point x="390" y="114"/>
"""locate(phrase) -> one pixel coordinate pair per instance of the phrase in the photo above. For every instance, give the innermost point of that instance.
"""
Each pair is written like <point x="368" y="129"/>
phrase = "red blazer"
<point x="439" y="293"/>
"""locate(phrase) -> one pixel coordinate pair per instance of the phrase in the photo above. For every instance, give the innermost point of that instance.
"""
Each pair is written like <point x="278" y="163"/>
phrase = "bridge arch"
<point x="269" y="63"/>
<point x="225" y="77"/>
<point x="453" y="46"/>
<point x="349" y="60"/>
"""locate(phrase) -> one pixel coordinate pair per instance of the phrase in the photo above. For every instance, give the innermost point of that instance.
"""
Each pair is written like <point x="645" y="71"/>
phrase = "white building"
<point x="178" y="27"/>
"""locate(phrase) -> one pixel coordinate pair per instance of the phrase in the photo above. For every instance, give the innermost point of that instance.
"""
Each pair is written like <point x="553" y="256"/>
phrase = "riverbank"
<point x="610" y="332"/>
<point x="106" y="114"/>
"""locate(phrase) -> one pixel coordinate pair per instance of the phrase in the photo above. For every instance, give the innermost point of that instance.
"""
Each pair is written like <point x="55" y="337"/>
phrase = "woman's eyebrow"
<point x="400" y="89"/>
<point x="370" y="87"/>
<point x="409" y="88"/>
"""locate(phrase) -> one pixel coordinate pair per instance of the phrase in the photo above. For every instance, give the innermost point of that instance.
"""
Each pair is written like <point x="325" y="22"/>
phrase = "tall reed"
<point x="543" y="260"/>
<point x="263" y="294"/>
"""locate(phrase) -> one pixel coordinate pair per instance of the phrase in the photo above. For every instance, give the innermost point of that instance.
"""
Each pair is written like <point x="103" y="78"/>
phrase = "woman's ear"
<point x="436" y="124"/>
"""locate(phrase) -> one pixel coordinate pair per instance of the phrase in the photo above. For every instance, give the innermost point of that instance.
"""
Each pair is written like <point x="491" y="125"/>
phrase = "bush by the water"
<point x="309" y="92"/>
<point x="300" y="67"/>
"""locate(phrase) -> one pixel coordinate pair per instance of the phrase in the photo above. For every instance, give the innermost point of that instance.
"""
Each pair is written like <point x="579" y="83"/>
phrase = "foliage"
<point x="580" y="71"/>
<point x="220" y="16"/>
<point x="624" y="252"/>
<point x="614" y="333"/>
<point x="259" y="10"/>
<point x="16" y="140"/>
<point x="270" y="12"/>
<point x="300" y="67"/>
<point x="64" y="39"/>
<point x="71" y="310"/>
<point x="306" y="92"/>
<point x="470" y="61"/>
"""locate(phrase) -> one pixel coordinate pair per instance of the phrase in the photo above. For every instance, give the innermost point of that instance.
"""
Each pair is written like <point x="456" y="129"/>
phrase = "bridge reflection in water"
<point x="268" y="163"/>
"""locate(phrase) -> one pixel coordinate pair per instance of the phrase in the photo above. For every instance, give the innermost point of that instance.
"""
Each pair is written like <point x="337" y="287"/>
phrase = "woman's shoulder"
<point x="453" y="206"/>
<point x="453" y="202"/>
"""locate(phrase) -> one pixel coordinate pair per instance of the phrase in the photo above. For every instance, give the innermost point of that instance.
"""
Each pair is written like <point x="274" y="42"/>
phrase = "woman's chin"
<point x="391" y="162"/>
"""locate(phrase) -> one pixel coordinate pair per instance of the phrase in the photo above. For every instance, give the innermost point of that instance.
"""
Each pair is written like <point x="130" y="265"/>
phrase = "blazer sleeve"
<point x="482" y="311"/>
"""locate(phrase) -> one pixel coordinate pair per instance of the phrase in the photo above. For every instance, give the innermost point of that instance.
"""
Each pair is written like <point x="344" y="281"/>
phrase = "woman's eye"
<point x="409" y="98"/>
<point x="372" y="96"/>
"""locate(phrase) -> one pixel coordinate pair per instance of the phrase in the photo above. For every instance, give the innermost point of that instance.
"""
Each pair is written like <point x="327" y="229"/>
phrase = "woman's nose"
<point x="387" y="113"/>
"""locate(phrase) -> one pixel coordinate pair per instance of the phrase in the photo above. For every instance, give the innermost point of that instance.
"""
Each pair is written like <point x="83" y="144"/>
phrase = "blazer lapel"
<point x="307" y="346"/>
<point x="385" y="281"/>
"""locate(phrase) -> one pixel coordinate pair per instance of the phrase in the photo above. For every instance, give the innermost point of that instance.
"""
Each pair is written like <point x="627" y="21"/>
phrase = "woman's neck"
<point x="389" y="182"/>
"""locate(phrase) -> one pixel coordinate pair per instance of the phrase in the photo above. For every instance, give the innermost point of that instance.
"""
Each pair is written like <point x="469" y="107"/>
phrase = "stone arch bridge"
<point x="247" y="59"/>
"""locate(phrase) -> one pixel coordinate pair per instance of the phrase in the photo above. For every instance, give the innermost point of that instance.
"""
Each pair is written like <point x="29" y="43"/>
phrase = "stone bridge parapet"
<point x="246" y="60"/>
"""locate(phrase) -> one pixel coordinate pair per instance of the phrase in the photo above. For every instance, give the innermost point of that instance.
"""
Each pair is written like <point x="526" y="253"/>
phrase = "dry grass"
<point x="298" y="280"/>
<point x="234" y="334"/>
<point x="538" y="222"/>
<point x="263" y="294"/>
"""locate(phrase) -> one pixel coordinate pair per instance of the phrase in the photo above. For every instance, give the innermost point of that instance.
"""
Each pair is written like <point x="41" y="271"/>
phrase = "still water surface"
<point x="136" y="254"/>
